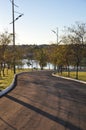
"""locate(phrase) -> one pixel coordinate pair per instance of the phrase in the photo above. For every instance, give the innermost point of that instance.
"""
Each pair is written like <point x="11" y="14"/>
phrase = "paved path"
<point x="43" y="102"/>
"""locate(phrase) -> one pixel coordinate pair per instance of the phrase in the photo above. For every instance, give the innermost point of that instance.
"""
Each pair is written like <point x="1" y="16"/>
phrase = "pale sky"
<point x="40" y="17"/>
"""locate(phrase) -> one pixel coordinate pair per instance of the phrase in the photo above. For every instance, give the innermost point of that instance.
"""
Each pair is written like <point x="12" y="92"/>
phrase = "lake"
<point x="35" y="64"/>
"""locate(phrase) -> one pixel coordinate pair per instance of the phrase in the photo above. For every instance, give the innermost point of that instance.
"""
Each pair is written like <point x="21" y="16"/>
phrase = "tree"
<point x="41" y="56"/>
<point x="53" y="55"/>
<point x="77" y="38"/>
<point x="5" y="39"/>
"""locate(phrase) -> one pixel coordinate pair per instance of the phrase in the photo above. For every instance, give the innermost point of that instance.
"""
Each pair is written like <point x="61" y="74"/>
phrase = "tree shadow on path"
<point x="46" y="114"/>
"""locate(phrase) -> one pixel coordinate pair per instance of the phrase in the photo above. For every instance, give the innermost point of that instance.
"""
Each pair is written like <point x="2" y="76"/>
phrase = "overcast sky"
<point x="40" y="17"/>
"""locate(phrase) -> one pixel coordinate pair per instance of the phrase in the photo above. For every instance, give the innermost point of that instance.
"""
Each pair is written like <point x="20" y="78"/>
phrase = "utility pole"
<point x="13" y="17"/>
<point x="13" y="23"/>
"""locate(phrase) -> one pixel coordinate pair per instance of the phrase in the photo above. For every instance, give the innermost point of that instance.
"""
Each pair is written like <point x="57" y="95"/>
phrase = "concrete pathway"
<point x="43" y="102"/>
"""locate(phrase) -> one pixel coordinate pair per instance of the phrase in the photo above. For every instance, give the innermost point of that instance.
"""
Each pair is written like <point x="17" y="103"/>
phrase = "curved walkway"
<point x="43" y="102"/>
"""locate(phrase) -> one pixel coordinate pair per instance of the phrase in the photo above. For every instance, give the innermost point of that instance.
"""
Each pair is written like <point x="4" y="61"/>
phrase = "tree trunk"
<point x="68" y="71"/>
<point x="41" y="67"/>
<point x="60" y="69"/>
<point x="0" y="72"/>
<point x="3" y="67"/>
<point x="77" y="71"/>
<point x="54" y="67"/>
<point x="49" y="65"/>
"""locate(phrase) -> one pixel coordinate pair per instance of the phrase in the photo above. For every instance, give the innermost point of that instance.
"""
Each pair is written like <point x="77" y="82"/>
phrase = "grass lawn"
<point x="8" y="78"/>
<point x="82" y="75"/>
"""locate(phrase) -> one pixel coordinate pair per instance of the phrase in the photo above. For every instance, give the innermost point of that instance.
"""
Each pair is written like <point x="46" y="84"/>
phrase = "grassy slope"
<point x="8" y="78"/>
<point x="82" y="75"/>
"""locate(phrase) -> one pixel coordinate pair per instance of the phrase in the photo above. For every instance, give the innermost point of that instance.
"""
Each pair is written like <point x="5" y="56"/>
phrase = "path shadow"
<point x="66" y="124"/>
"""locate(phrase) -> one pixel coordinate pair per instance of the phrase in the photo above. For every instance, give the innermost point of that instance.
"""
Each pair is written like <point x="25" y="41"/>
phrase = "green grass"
<point x="8" y="78"/>
<point x="81" y="75"/>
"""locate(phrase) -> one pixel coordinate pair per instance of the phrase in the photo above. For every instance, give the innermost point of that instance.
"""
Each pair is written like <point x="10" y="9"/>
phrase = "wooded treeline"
<point x="70" y="52"/>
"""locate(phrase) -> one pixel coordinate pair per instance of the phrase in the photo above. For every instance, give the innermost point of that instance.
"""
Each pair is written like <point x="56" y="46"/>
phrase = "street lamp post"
<point x="13" y="23"/>
<point x="56" y="33"/>
<point x="58" y="42"/>
<point x="13" y="36"/>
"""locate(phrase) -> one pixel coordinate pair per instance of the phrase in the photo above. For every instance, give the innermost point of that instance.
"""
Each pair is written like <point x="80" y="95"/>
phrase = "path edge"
<point x="80" y="81"/>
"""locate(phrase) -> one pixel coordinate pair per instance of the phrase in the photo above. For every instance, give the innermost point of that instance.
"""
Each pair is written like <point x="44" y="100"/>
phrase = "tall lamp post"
<point x="56" y="33"/>
<point x="58" y="42"/>
<point x="13" y="23"/>
<point x="13" y="36"/>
